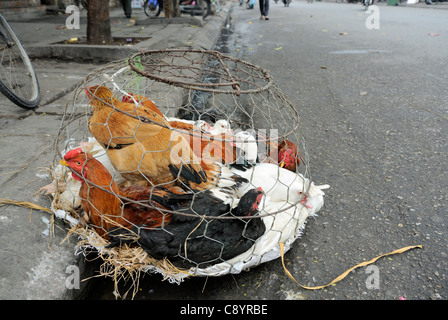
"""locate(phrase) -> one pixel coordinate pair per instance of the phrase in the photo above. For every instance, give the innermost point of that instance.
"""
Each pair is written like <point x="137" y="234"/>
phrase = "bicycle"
<point x="18" y="81"/>
<point x="152" y="8"/>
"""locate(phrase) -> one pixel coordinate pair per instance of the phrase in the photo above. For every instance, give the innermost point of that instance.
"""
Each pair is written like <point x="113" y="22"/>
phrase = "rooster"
<point x="147" y="152"/>
<point x="101" y="197"/>
<point x="201" y="240"/>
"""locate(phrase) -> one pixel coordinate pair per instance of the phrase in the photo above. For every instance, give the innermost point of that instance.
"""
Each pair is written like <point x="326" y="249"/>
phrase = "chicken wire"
<point x="199" y="87"/>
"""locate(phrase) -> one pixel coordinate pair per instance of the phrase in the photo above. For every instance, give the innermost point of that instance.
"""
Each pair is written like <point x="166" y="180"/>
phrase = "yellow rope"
<point x="343" y="275"/>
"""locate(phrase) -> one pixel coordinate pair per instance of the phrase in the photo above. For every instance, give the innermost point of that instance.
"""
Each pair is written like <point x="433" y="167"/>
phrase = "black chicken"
<point x="200" y="241"/>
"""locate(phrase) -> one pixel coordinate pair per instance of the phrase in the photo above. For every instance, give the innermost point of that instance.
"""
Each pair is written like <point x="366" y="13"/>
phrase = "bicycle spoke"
<point x="17" y="78"/>
<point x="14" y="74"/>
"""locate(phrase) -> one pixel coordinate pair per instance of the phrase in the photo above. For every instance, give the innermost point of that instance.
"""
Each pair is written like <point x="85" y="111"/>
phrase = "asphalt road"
<point x="374" y="110"/>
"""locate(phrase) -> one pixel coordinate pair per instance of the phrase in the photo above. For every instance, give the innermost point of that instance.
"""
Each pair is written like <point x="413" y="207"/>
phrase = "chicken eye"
<point x="78" y="163"/>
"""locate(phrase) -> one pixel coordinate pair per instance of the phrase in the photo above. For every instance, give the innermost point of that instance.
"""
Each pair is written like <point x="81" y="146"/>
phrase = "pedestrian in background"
<point x="264" y="9"/>
<point x="208" y="10"/>
<point x="127" y="7"/>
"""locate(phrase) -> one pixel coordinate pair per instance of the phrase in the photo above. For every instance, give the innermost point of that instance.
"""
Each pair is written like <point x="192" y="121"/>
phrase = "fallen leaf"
<point x="362" y="93"/>
<point x="72" y="40"/>
<point x="433" y="34"/>
<point x="324" y="30"/>
<point x="343" y="33"/>
<point x="323" y="67"/>
<point x="279" y="48"/>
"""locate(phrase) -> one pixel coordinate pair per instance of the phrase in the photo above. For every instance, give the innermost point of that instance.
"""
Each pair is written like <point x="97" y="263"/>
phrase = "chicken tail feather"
<point x="188" y="173"/>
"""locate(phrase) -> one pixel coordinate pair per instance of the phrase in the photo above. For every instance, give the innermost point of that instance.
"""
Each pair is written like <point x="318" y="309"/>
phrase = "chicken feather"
<point x="147" y="152"/>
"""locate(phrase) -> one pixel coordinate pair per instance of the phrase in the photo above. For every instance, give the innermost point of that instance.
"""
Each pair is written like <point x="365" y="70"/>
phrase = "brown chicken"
<point x="117" y="124"/>
<point x="147" y="152"/>
<point x="285" y="153"/>
<point x="146" y="102"/>
<point x="212" y="148"/>
<point x="208" y="147"/>
<point x="104" y="208"/>
<point x="288" y="155"/>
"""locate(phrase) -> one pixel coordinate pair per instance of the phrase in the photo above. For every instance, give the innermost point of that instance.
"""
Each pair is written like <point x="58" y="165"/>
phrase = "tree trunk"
<point x="171" y="8"/>
<point x="98" y="22"/>
<point x="176" y="10"/>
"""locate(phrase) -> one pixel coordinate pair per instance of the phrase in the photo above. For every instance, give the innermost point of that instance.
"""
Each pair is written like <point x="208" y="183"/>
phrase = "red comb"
<point x="72" y="153"/>
<point x="127" y="98"/>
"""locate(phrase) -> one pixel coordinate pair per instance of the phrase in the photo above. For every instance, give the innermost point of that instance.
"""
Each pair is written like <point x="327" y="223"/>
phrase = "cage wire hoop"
<point x="194" y="86"/>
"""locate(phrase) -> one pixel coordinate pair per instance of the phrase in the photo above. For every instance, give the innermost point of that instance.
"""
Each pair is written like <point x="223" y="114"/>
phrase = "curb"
<point x="205" y="37"/>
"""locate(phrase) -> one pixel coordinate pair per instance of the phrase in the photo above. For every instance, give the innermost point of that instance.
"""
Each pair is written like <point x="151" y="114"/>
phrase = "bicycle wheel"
<point x="18" y="81"/>
<point x="152" y="8"/>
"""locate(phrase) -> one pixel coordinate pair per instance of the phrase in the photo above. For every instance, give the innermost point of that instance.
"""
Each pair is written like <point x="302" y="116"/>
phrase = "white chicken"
<point x="247" y="148"/>
<point x="278" y="184"/>
<point x="282" y="227"/>
<point x="221" y="126"/>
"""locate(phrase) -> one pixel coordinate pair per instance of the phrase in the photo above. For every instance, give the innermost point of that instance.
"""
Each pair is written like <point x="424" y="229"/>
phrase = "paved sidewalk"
<point x="34" y="265"/>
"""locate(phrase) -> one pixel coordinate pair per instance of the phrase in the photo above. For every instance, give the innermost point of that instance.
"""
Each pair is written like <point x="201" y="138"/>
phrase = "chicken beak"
<point x="63" y="162"/>
<point x="282" y="164"/>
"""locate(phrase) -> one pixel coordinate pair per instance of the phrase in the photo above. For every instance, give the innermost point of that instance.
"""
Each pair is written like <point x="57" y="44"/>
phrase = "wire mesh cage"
<point x="185" y="163"/>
